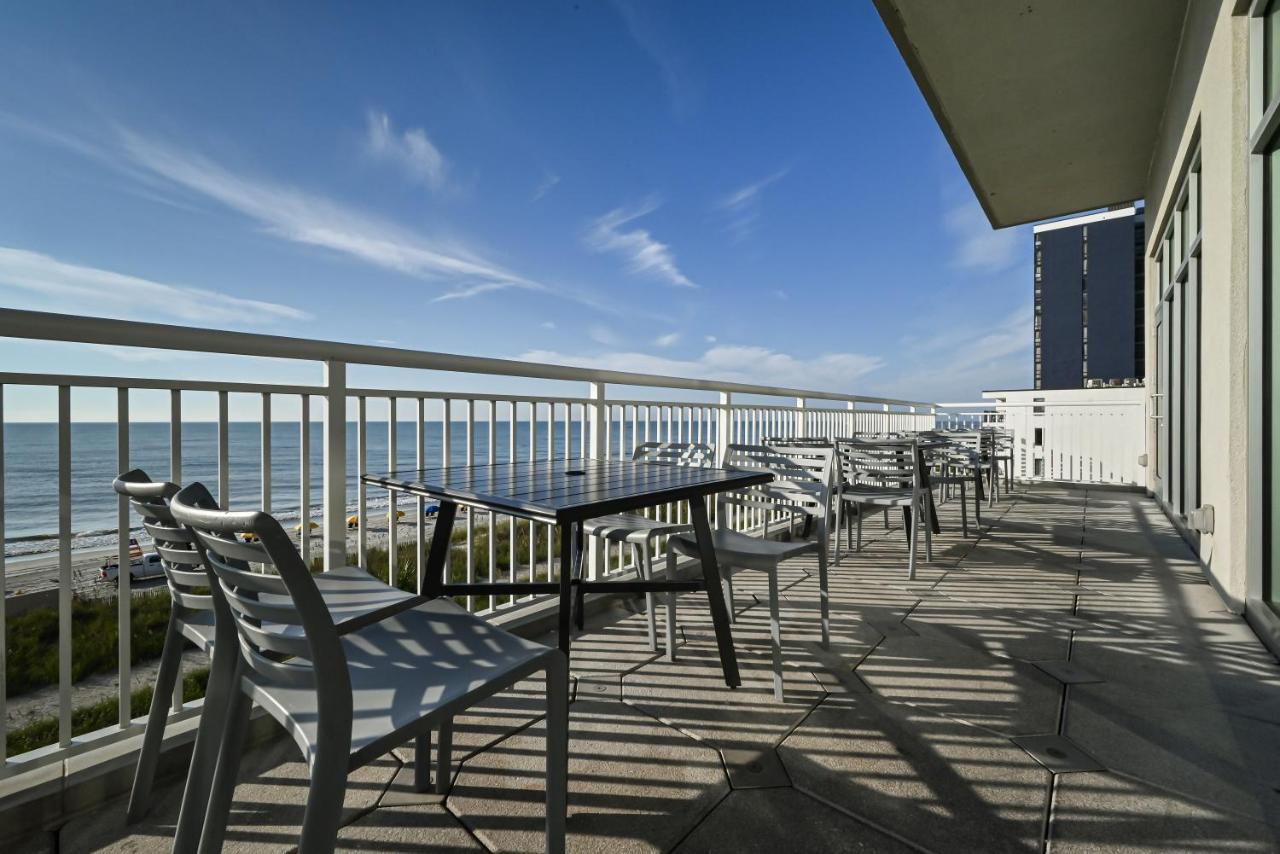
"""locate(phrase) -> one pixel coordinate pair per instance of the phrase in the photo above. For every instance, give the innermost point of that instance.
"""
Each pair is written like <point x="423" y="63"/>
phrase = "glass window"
<point x="1271" y="370"/>
<point x="1271" y="52"/>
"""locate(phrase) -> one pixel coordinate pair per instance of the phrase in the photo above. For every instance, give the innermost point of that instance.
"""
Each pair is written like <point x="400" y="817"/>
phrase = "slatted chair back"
<point x="694" y="454"/>
<point x="801" y="479"/>
<point x="287" y="636"/>
<point x="885" y="464"/>
<point x="179" y="558"/>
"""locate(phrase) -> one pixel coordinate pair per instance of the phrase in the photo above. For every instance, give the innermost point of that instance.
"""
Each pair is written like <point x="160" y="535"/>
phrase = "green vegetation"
<point x="97" y="715"/>
<point x="31" y="661"/>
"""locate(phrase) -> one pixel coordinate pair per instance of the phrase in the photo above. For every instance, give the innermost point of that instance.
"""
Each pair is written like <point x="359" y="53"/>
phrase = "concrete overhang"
<point x="1051" y="106"/>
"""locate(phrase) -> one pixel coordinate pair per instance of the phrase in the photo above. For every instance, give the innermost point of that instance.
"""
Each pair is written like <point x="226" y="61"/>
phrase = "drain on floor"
<point x="754" y="769"/>
<point x="1068" y="673"/>
<point x="1058" y="753"/>
<point x="599" y="688"/>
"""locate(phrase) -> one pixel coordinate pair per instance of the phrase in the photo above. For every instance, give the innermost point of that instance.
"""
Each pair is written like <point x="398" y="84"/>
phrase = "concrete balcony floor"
<point x="1077" y="629"/>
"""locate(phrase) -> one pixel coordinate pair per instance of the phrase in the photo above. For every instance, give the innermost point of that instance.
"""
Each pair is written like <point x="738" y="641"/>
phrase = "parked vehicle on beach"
<point x="141" y="568"/>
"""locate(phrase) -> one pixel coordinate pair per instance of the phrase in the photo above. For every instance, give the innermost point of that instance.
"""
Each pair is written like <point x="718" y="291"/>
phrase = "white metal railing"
<point x="486" y="424"/>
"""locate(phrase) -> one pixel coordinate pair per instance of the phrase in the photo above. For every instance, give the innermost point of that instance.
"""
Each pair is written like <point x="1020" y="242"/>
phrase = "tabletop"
<point x="564" y="491"/>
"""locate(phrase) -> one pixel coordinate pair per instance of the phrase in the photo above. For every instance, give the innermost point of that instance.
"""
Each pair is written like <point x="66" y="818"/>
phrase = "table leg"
<point x="566" y="584"/>
<point x="432" y="586"/>
<point x="715" y="592"/>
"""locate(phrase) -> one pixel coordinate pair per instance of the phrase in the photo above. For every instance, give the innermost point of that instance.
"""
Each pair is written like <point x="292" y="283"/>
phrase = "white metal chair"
<point x="882" y="475"/>
<point x="348" y="697"/>
<point x="351" y="594"/>
<point x="640" y="531"/>
<point x="802" y="478"/>
<point x="953" y="463"/>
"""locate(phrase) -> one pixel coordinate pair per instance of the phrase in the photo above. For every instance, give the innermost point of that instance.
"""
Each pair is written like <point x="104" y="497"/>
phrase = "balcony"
<point x="1064" y="675"/>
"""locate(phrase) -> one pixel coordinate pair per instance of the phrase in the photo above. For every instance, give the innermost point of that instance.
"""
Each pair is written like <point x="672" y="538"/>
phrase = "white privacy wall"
<point x="1086" y="435"/>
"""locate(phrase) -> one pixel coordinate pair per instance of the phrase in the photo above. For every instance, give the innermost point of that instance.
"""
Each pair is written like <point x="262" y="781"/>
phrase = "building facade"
<point x="1088" y="297"/>
<point x="1179" y="106"/>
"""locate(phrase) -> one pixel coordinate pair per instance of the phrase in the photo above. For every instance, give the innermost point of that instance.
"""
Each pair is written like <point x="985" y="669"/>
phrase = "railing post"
<point x="335" y="464"/>
<point x="596" y="451"/>
<point x="802" y="429"/>
<point x="724" y="426"/>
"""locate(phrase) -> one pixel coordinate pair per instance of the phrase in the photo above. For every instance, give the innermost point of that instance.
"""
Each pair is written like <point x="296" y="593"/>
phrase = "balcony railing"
<point x="613" y="413"/>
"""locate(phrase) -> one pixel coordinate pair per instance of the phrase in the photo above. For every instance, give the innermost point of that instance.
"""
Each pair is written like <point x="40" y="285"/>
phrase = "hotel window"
<point x="1264" y="150"/>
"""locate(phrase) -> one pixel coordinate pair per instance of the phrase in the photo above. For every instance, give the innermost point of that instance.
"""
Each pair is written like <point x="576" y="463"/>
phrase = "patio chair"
<point x="349" y="697"/>
<point x="640" y="531"/>
<point x="953" y="463"/>
<point x="802" y="478"/>
<point x="1001" y="450"/>
<point x="352" y="595"/>
<point x="883" y="475"/>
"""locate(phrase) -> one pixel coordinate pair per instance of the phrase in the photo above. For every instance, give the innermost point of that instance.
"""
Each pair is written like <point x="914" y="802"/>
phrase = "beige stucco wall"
<point x="1208" y="100"/>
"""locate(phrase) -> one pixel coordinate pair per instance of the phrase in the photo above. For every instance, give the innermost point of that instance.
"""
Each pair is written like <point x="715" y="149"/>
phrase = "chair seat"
<point x="631" y="528"/>
<point x="421" y="661"/>
<point x="742" y="550"/>
<point x="881" y="496"/>
<point x="197" y="627"/>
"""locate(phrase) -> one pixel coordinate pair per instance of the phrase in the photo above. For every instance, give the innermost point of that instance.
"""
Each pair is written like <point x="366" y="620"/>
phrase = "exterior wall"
<point x="1093" y="435"/>
<point x="1207" y="106"/>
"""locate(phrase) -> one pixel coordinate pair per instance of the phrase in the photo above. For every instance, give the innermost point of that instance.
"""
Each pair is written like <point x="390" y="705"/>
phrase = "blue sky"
<point x="757" y="192"/>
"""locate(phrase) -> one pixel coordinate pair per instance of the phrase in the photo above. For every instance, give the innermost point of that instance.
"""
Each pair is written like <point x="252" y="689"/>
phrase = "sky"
<point x="754" y="192"/>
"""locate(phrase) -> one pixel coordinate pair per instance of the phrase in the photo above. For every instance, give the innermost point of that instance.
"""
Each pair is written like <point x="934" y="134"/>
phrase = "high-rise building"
<point x="1089" y="300"/>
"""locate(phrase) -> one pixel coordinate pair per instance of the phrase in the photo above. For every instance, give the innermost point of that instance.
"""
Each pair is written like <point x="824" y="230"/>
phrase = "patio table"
<point x="568" y="493"/>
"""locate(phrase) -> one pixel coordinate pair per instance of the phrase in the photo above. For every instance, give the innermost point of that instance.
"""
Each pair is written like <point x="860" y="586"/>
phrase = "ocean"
<point x="31" y="468"/>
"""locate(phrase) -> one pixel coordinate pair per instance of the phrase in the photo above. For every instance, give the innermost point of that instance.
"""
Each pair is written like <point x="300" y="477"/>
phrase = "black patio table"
<point x="568" y="493"/>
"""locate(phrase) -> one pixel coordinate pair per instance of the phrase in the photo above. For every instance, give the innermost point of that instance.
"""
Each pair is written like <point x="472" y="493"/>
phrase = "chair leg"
<point x="223" y="790"/>
<point x="964" y="511"/>
<point x="153" y="738"/>
<point x="422" y="762"/>
<point x="913" y="523"/>
<point x="886" y="518"/>
<point x="858" y="548"/>
<point x="727" y="581"/>
<point x="927" y="522"/>
<point x="204" y="756"/>
<point x="671" y="606"/>
<point x="444" y="757"/>
<point x="775" y="632"/>
<point x="644" y="562"/>
<point x="323" y="814"/>
<point x="824" y="596"/>
<point x="977" y="504"/>
<point x="839" y="504"/>
<point x="557" y="751"/>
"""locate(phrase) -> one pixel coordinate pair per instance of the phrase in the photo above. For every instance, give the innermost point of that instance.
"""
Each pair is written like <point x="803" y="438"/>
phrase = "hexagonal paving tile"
<point x="766" y="820"/>
<point x="634" y="784"/>
<point x="939" y="783"/>
<point x="690" y="694"/>
<point x="952" y="679"/>
<point x="1096" y="812"/>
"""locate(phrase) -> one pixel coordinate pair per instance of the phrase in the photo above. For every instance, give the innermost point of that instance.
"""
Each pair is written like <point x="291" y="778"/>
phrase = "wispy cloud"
<point x="978" y="246"/>
<point x="546" y="185"/>
<point x="411" y="151"/>
<point x="307" y="218"/>
<point x="59" y="285"/>
<point x="644" y="254"/>
<point x="658" y="44"/>
<point x="747" y="364"/>
<point x="966" y="358"/>
<point x="603" y="335"/>
<point x="671" y="339"/>
<point x="743" y="206"/>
